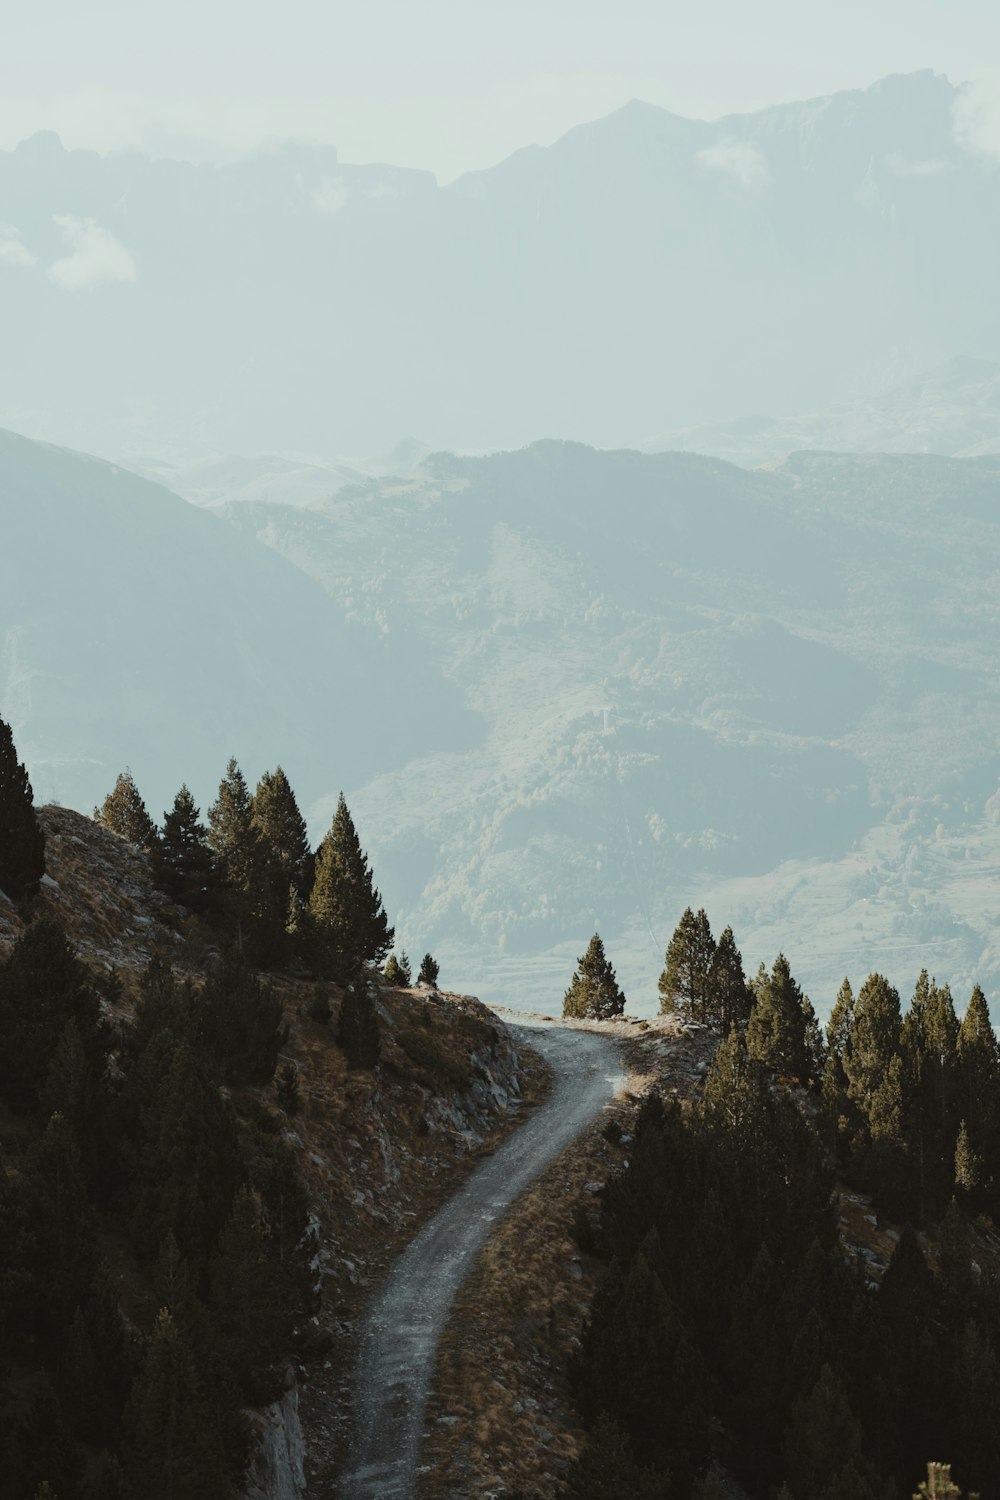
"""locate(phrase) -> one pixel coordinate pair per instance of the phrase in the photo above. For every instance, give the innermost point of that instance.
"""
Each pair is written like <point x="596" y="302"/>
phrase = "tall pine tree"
<point x="776" y="1031"/>
<point x="124" y="812"/>
<point x="593" y="993"/>
<point x="685" y="984"/>
<point x="347" y="919"/>
<point x="22" y="844"/>
<point x="238" y="856"/>
<point x="277" y="819"/>
<point x="182" y="860"/>
<point x="730" y="997"/>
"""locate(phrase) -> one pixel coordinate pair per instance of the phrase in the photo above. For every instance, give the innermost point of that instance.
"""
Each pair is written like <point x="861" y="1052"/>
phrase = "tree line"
<point x="154" y="1247"/>
<point x="732" y="1330"/>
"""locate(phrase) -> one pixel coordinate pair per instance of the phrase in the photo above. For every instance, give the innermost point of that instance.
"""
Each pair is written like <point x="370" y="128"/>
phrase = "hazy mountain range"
<point x="639" y="277"/>
<point x="561" y="688"/>
<point x="953" y="410"/>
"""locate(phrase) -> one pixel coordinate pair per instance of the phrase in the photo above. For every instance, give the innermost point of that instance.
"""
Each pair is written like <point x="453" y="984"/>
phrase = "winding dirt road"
<point x="402" y="1327"/>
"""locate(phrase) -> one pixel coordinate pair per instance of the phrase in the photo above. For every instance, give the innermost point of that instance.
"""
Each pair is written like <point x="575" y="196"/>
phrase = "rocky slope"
<point x="379" y="1150"/>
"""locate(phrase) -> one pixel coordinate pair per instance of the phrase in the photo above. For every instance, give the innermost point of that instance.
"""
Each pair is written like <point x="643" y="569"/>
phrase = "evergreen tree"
<point x="173" y="1447"/>
<point x="397" y="971"/>
<point x="593" y="993"/>
<point x="823" y="1450"/>
<point x="938" y="1485"/>
<point x="277" y="819"/>
<point x="43" y="987"/>
<point x="358" y="1029"/>
<point x="238" y="857"/>
<point x="873" y="1040"/>
<point x="22" y="843"/>
<point x="838" y="1028"/>
<point x="730" y="999"/>
<point x="348" y="920"/>
<point x="776" y="1031"/>
<point x="182" y="860"/>
<point x="62" y="1244"/>
<point x="734" y="1086"/>
<point x="978" y="1066"/>
<point x="685" y="984"/>
<point x="248" y="1318"/>
<point x="124" y="812"/>
<point x="241" y="1026"/>
<point x="429" y="971"/>
<point x="968" y="1166"/>
<point x="607" y="1470"/>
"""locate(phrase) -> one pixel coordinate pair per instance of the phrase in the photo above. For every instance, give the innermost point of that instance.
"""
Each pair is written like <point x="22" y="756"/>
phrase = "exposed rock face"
<point x="277" y="1471"/>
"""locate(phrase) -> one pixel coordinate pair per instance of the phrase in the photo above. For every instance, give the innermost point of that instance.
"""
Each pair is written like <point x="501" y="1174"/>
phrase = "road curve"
<point x="401" y="1329"/>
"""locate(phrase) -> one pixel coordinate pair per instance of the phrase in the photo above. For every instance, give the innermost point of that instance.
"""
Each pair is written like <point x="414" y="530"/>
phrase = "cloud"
<point x="903" y="166"/>
<point x="330" y="196"/>
<point x="95" y="256"/>
<point x="736" y="159"/>
<point x="13" y="250"/>
<point x="976" y="117"/>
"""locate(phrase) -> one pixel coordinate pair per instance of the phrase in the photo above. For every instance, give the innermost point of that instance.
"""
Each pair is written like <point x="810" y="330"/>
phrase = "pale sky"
<point x="448" y="85"/>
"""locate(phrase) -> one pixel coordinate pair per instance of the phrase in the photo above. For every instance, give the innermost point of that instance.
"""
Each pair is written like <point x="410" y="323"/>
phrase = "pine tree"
<point x="124" y="812"/>
<point x="241" y="1023"/>
<point x="182" y="860"/>
<point x="978" y="1058"/>
<point x="173" y="1448"/>
<point x="43" y="987"/>
<point x="938" y="1485"/>
<point x="429" y="971"/>
<point x="248" y="1319"/>
<point x="22" y="843"/>
<point x="358" y="1029"/>
<point x="277" y="819"/>
<point x="606" y="1470"/>
<point x="822" y="1450"/>
<point x="838" y="1028"/>
<point x="348" y="920"/>
<point x="256" y="911"/>
<point x="685" y="984"/>
<point x="776" y="1031"/>
<point x="968" y="1167"/>
<point x="61" y="1226"/>
<point x="873" y="1040"/>
<point x="397" y="971"/>
<point x="730" y="996"/>
<point x="593" y="992"/>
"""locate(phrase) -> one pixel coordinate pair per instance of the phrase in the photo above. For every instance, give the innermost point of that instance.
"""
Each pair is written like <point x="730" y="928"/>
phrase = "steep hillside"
<point x="561" y="688"/>
<point x="643" y="274"/>
<point x="134" y="626"/>
<point x="770" y="691"/>
<point x="376" y="1150"/>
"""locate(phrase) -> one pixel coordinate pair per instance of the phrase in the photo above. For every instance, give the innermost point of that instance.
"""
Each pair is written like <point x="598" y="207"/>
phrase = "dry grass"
<point x="502" y="1416"/>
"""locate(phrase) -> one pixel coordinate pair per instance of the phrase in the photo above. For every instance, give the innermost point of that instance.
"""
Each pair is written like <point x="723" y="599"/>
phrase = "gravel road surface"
<point x="401" y="1330"/>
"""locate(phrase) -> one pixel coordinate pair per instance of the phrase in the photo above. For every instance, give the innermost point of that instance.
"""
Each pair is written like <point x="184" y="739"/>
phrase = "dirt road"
<point x="403" y="1325"/>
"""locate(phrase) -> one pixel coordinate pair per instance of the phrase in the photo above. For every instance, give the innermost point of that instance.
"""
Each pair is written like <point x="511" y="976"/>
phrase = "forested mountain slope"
<point x="774" y="691"/>
<point x="134" y="627"/>
<point x="563" y="689"/>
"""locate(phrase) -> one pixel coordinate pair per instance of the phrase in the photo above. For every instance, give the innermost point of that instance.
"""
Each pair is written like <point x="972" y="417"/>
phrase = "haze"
<point x="449" y="86"/>
<point x="578" y="440"/>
